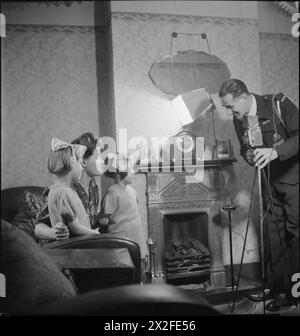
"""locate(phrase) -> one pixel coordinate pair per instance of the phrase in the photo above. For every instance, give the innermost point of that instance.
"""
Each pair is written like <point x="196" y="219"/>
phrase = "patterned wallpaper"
<point x="144" y="110"/>
<point x="279" y="59"/>
<point x="49" y="89"/>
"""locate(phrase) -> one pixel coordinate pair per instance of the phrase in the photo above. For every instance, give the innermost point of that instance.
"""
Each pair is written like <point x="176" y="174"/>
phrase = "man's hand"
<point x="263" y="156"/>
<point x="61" y="231"/>
<point x="250" y="156"/>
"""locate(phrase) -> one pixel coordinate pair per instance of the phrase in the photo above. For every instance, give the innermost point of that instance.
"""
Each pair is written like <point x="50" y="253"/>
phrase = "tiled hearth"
<point x="179" y="193"/>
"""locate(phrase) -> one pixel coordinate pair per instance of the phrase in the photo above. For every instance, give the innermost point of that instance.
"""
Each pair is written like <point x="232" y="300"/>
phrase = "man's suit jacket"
<point x="285" y="169"/>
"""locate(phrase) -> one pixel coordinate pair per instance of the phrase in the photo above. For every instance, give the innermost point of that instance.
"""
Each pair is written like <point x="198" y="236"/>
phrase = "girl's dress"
<point x="65" y="205"/>
<point x="122" y="204"/>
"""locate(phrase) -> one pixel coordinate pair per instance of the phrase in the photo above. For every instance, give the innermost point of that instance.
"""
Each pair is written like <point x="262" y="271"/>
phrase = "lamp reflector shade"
<point x="190" y="105"/>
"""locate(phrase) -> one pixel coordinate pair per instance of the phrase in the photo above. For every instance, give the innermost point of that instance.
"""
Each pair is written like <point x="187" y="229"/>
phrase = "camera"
<point x="252" y="136"/>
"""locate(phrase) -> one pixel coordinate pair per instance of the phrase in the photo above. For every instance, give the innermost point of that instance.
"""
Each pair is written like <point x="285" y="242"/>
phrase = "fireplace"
<point x="186" y="256"/>
<point x="184" y="224"/>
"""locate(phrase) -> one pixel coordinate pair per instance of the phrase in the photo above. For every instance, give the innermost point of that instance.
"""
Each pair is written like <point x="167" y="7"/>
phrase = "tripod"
<point x="257" y="172"/>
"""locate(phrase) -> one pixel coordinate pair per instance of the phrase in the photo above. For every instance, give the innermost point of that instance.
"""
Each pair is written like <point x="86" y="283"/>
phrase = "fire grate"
<point x="187" y="258"/>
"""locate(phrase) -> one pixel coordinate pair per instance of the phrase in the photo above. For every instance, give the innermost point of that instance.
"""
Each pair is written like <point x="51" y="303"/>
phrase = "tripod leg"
<point x="231" y="253"/>
<point x="245" y="240"/>
<point x="261" y="224"/>
<point x="261" y="219"/>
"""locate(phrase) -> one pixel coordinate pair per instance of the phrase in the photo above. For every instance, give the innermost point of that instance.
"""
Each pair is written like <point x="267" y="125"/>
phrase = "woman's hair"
<point x="117" y="175"/>
<point x="59" y="162"/>
<point x="88" y="140"/>
<point x="233" y="86"/>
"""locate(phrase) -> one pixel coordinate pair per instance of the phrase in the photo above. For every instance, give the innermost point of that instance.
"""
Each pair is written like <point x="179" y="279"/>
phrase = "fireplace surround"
<point x="171" y="194"/>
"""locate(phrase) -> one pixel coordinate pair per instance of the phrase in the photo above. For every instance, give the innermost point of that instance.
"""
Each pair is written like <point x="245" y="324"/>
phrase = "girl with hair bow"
<point x="65" y="206"/>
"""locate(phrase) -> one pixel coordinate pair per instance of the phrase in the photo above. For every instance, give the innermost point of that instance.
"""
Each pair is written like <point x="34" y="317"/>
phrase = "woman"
<point x="86" y="189"/>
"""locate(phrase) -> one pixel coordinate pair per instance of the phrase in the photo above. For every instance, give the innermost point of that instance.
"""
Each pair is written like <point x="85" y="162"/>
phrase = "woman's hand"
<point x="103" y="222"/>
<point x="61" y="231"/>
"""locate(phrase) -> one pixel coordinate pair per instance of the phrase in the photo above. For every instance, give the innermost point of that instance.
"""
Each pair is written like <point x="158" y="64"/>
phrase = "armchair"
<point x="103" y="241"/>
<point x="11" y="199"/>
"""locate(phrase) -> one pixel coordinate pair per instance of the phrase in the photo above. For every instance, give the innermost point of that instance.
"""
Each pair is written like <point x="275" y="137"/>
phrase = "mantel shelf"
<point x="163" y="167"/>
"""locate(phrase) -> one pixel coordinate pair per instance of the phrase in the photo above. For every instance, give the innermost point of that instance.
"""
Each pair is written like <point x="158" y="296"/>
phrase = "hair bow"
<point x="57" y="144"/>
<point x="77" y="150"/>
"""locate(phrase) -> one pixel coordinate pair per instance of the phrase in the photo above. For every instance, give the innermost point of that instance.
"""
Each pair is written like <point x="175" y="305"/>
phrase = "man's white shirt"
<point x="253" y="108"/>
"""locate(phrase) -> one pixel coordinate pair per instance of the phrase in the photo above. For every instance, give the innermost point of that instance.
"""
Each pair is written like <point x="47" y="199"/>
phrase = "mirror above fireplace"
<point x="188" y="70"/>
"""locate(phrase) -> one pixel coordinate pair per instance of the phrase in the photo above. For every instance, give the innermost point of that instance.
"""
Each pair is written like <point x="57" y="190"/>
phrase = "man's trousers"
<point x="281" y="235"/>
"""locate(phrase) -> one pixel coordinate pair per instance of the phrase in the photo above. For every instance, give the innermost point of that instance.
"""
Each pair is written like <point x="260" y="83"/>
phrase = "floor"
<point x="246" y="306"/>
<point x="223" y="300"/>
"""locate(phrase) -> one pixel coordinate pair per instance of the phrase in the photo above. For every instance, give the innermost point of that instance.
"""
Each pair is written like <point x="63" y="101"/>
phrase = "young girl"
<point x="63" y="202"/>
<point x="119" y="207"/>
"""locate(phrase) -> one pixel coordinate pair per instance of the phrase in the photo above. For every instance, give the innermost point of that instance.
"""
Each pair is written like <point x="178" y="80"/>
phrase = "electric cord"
<point x="243" y="237"/>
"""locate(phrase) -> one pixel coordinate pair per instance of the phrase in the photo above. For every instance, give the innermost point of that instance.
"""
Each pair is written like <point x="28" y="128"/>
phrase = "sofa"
<point x="11" y="200"/>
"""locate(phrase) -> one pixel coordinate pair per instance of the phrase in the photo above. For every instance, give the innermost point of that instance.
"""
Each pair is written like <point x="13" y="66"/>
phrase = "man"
<point x="277" y="159"/>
